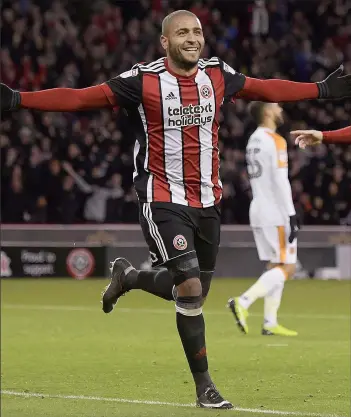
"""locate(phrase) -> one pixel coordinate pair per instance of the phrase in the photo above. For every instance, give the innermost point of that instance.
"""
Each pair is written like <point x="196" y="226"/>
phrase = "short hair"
<point x="168" y="19"/>
<point x="256" y="109"/>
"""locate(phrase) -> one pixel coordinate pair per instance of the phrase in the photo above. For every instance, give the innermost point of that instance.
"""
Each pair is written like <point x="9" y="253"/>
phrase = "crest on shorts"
<point x="206" y="91"/>
<point x="180" y="243"/>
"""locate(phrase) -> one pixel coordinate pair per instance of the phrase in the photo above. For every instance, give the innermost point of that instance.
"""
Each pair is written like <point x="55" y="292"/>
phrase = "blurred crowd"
<point x="77" y="167"/>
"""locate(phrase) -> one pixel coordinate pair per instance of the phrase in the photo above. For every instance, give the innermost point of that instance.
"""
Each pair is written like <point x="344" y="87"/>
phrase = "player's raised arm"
<point x="274" y="90"/>
<point x="123" y="90"/>
<point x="305" y="138"/>
<point x="58" y="99"/>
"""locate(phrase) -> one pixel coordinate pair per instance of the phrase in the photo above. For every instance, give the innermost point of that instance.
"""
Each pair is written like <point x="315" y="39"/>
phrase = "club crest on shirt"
<point x="206" y="91"/>
<point x="180" y="243"/>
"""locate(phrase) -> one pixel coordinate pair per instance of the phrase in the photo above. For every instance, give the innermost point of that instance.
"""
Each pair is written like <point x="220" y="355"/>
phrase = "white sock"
<point x="271" y="305"/>
<point x="265" y="284"/>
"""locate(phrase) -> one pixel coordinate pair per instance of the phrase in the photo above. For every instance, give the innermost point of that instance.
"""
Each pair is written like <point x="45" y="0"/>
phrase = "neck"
<point x="181" y="71"/>
<point x="269" y="124"/>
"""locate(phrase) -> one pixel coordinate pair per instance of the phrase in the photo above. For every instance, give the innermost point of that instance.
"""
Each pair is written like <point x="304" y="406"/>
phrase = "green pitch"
<point x="57" y="343"/>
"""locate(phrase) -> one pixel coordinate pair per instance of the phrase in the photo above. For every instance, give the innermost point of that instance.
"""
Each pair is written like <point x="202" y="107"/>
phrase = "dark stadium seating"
<point x="52" y="164"/>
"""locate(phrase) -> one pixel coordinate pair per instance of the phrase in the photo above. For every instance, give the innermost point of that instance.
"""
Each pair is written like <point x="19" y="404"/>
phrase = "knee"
<point x="189" y="305"/>
<point x="194" y="286"/>
<point x="290" y="270"/>
<point x="189" y="299"/>
<point x="191" y="287"/>
<point x="185" y="272"/>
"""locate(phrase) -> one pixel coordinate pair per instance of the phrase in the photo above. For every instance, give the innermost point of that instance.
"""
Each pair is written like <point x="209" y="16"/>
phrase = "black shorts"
<point x="172" y="230"/>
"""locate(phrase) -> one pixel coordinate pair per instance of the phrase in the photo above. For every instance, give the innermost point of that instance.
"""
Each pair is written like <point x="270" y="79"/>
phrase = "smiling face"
<point x="183" y="39"/>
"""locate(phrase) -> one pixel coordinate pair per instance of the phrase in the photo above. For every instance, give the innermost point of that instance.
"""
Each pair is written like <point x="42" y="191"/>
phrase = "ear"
<point x="164" y="42"/>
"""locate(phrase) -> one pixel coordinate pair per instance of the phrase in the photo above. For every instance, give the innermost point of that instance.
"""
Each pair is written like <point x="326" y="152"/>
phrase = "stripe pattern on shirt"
<point x="180" y="120"/>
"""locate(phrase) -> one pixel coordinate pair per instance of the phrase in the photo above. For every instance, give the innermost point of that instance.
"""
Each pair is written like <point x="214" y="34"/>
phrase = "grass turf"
<point x="57" y="341"/>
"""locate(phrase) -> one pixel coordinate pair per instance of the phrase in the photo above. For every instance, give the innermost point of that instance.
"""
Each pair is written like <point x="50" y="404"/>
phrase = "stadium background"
<point x="60" y="355"/>
<point x="73" y="168"/>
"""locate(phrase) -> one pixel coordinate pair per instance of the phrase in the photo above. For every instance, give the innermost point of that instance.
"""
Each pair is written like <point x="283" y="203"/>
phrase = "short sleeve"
<point x="234" y="81"/>
<point x="127" y="87"/>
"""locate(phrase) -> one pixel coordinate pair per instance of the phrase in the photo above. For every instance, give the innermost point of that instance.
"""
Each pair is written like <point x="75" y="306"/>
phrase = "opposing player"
<point x="305" y="138"/>
<point x="272" y="218"/>
<point x="174" y="104"/>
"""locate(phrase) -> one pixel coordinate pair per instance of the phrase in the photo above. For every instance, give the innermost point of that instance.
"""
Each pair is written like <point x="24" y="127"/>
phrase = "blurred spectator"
<point x="102" y="201"/>
<point x="260" y="18"/>
<point x="65" y="168"/>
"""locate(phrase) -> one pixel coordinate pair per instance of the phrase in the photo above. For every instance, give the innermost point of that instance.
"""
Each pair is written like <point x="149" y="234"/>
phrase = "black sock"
<point x="192" y="333"/>
<point x="156" y="281"/>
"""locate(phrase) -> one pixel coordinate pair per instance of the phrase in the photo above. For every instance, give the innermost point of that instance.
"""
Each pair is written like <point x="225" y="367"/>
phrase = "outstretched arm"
<point x="59" y="99"/>
<point x="305" y="138"/>
<point x="340" y="135"/>
<point x="334" y="86"/>
<point x="277" y="90"/>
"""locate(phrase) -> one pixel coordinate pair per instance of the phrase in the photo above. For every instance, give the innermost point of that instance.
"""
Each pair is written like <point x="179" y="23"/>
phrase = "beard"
<point x="178" y="58"/>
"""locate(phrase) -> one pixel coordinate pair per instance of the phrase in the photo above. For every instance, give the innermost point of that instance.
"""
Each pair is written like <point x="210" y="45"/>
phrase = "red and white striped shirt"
<point x="176" y="121"/>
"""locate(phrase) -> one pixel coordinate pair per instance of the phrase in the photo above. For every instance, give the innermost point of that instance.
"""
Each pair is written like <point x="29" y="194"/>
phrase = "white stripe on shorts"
<point x="155" y="234"/>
